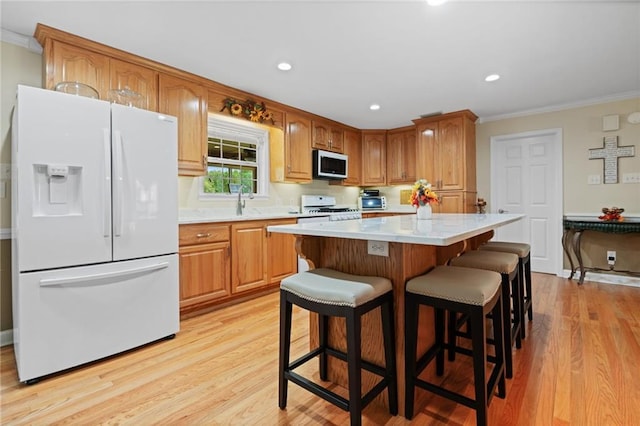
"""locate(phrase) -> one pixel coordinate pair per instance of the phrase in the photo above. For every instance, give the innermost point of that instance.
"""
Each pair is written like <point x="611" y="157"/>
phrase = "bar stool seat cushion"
<point x="503" y="263"/>
<point x="334" y="287"/>
<point x="463" y="285"/>
<point x="521" y="249"/>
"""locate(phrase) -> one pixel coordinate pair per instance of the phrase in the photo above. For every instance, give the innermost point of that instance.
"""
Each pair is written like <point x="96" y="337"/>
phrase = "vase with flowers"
<point x="422" y="197"/>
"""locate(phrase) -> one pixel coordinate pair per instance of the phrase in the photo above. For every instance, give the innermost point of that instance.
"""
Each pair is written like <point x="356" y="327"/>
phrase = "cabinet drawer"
<point x="203" y="233"/>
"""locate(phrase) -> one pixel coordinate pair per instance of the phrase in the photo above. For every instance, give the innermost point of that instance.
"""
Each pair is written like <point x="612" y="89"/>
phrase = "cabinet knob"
<point x="203" y="235"/>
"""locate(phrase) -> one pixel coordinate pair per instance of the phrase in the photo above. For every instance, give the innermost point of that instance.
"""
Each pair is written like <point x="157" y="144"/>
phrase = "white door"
<point x="145" y="183"/>
<point x="526" y="177"/>
<point x="62" y="193"/>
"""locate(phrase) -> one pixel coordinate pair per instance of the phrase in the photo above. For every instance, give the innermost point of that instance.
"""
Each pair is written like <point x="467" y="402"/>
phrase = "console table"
<point x="589" y="224"/>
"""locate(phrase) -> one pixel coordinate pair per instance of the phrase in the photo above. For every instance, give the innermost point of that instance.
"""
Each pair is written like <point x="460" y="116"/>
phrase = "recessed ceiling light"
<point x="284" y="66"/>
<point x="374" y="107"/>
<point x="492" y="77"/>
<point x="436" y="2"/>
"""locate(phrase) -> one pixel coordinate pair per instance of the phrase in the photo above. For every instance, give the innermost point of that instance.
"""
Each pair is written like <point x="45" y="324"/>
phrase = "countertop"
<point x="206" y="215"/>
<point x="442" y="230"/>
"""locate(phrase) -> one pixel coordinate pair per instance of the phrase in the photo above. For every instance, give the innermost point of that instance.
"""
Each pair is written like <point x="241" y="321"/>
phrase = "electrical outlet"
<point x="378" y="248"/>
<point x="611" y="257"/>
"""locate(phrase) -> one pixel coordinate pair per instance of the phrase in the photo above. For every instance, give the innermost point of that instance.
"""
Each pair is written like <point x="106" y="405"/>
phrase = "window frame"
<point x="239" y="132"/>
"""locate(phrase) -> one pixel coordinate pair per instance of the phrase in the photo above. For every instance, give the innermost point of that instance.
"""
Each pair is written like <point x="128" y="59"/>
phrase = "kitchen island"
<point x="395" y="247"/>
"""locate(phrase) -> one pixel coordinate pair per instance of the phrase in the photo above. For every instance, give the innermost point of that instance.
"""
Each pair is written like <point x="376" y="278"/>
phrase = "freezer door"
<point x="62" y="200"/>
<point x="67" y="317"/>
<point x="145" y="183"/>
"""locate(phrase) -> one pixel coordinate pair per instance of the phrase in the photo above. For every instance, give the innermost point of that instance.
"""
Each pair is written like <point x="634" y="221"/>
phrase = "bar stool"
<point x="506" y="264"/>
<point x="523" y="251"/>
<point x="470" y="292"/>
<point x="331" y="293"/>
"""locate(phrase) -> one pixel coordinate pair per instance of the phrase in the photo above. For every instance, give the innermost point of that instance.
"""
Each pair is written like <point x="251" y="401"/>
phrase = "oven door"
<point x="302" y="264"/>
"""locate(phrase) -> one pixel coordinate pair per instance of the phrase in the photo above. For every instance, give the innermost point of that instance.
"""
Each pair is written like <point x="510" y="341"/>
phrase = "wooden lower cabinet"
<point x="205" y="265"/>
<point x="455" y="202"/>
<point x="283" y="260"/>
<point x="249" y="254"/>
<point x="225" y="262"/>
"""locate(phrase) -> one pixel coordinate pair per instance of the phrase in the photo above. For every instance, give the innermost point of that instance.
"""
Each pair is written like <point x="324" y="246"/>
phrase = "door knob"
<point x="503" y="211"/>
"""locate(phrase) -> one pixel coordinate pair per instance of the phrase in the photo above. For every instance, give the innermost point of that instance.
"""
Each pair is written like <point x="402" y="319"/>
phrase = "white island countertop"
<point x="442" y="230"/>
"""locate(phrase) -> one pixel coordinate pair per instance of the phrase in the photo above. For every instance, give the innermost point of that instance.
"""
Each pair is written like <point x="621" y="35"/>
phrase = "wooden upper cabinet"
<point x="446" y="148"/>
<point x="187" y="101"/>
<point x="65" y="62"/>
<point x="297" y="165"/>
<point x="353" y="150"/>
<point x="401" y="156"/>
<point x="374" y="159"/>
<point x="327" y="136"/>
<point x="73" y="63"/>
<point x="142" y="80"/>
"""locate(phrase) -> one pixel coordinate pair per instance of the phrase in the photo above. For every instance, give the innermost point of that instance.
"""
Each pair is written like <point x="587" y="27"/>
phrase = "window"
<point x="236" y="159"/>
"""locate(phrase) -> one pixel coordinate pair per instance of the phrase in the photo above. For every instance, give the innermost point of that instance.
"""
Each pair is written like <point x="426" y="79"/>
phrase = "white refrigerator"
<point x="95" y="230"/>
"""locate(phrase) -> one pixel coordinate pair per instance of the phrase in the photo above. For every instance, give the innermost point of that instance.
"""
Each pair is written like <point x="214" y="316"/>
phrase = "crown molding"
<point x="554" y="108"/>
<point x="27" y="42"/>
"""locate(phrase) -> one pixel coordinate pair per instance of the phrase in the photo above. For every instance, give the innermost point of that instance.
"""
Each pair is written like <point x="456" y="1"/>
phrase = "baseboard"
<point x="605" y="278"/>
<point x="6" y="337"/>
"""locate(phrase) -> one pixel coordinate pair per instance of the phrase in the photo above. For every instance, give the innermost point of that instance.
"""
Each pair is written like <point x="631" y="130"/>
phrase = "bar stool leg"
<point x="285" y="346"/>
<point x="529" y="298"/>
<point x="411" y="343"/>
<point x="354" y="367"/>
<point x="506" y="326"/>
<point x="388" y="332"/>
<point x="323" y="326"/>
<point x="478" y="338"/>
<point x="439" y="315"/>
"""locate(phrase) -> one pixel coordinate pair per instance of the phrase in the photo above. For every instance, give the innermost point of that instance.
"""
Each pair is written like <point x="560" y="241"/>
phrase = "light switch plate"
<point x="5" y="171"/>
<point x="631" y="178"/>
<point x="594" y="180"/>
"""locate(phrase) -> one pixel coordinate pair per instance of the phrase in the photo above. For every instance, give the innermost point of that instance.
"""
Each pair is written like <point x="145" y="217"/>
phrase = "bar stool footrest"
<point x="325" y="393"/>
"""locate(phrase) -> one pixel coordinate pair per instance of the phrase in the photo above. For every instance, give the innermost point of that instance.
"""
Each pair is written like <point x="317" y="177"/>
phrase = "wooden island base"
<point x="405" y="261"/>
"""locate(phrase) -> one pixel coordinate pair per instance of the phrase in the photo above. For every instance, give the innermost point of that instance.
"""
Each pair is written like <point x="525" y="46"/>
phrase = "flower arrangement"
<point x="613" y="214"/>
<point x="251" y="110"/>
<point x="421" y="194"/>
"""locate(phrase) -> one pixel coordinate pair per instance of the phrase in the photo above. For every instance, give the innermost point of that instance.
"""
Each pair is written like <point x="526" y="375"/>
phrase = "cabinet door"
<point x="401" y="157"/>
<point x="425" y="149"/>
<point x="297" y="148"/>
<point x="283" y="260"/>
<point x="374" y="161"/>
<point x="450" y="155"/>
<point x="249" y="256"/>
<point x="137" y="78"/>
<point x="204" y="273"/>
<point x="187" y="101"/>
<point x="353" y="150"/>
<point x="321" y="135"/>
<point x="450" y="202"/>
<point x="336" y="140"/>
<point x="70" y="63"/>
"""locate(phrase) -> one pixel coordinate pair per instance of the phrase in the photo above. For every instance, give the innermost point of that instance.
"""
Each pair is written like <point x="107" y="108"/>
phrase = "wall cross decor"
<point x="610" y="153"/>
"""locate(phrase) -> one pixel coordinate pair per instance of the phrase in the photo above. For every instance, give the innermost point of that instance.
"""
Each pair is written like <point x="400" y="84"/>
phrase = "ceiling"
<point x="410" y="58"/>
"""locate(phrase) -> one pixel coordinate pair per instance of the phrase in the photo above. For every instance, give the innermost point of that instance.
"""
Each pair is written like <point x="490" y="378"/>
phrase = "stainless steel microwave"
<point x="372" y="203"/>
<point x="329" y="165"/>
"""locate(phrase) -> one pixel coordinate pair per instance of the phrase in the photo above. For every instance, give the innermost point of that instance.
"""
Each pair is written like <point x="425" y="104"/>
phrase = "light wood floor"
<point x="579" y="365"/>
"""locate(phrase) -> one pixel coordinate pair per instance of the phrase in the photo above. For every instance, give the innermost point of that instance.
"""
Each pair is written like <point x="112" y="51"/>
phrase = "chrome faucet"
<point x="241" y="202"/>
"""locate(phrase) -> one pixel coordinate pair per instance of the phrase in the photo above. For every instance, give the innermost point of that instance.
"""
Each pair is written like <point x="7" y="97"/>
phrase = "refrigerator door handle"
<point x="92" y="279"/>
<point x="118" y="204"/>
<point x="106" y="210"/>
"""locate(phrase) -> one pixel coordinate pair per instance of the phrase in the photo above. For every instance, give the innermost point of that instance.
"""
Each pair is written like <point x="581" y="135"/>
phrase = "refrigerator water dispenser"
<point x="57" y="190"/>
